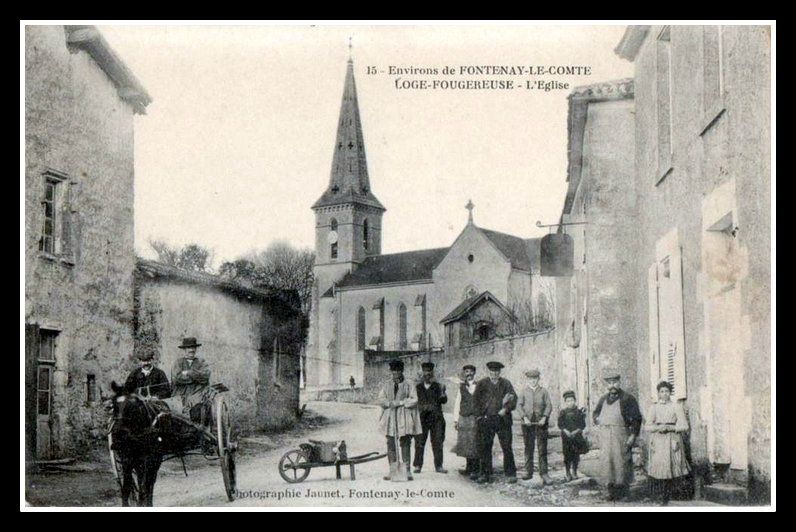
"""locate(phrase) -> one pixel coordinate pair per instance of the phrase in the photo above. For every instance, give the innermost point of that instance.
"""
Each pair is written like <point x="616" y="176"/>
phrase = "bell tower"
<point x="347" y="215"/>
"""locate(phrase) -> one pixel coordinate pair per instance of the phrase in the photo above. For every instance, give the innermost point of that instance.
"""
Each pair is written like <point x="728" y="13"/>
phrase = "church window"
<point x="333" y="237"/>
<point x="470" y="292"/>
<point x="365" y="235"/>
<point x="401" y="327"/>
<point x="470" y="258"/>
<point x="361" y="329"/>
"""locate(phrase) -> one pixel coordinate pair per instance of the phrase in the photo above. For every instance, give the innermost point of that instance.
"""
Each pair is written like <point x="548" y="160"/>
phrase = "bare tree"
<point x="191" y="257"/>
<point x="280" y="265"/>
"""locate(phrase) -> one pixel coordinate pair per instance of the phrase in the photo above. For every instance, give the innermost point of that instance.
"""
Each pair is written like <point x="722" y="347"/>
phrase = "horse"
<point x="138" y="444"/>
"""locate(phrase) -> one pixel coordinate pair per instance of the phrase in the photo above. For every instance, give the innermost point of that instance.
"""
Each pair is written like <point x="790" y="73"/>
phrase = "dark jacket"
<point x="431" y="400"/>
<point x="489" y="398"/>
<point x="628" y="406"/>
<point x="155" y="384"/>
<point x="196" y="379"/>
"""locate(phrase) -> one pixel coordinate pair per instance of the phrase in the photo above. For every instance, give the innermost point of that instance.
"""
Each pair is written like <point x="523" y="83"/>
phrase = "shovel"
<point x="397" y="468"/>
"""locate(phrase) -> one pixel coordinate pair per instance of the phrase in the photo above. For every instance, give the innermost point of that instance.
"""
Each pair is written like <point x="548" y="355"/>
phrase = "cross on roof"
<point x="470" y="208"/>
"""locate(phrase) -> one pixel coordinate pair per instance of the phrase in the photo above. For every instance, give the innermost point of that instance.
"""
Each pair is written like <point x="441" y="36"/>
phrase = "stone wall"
<point x="77" y="127"/>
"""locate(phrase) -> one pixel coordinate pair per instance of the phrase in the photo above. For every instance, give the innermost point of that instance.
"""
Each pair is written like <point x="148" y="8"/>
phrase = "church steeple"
<point x="349" y="181"/>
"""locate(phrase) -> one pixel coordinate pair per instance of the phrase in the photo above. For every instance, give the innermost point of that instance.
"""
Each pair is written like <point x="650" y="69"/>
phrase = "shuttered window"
<point x="402" y="327"/>
<point x="666" y="322"/>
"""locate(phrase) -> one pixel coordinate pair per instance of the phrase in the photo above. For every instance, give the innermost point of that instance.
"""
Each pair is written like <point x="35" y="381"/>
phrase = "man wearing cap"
<point x="147" y="380"/>
<point x="494" y="401"/>
<point x="535" y="407"/>
<point x="464" y="418"/>
<point x="431" y="395"/>
<point x="191" y="377"/>
<point x="398" y="400"/>
<point x="618" y="415"/>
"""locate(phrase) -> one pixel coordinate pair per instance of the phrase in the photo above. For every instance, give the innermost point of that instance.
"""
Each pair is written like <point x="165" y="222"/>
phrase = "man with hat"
<point x="619" y="418"/>
<point x="431" y="395"/>
<point x="494" y="401"/>
<point x="535" y="407"/>
<point x="399" y="418"/>
<point x="191" y="378"/>
<point x="147" y="380"/>
<point x="464" y="418"/>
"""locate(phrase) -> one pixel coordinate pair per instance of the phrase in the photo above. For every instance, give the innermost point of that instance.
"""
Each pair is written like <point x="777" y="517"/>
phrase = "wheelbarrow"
<point x="296" y="464"/>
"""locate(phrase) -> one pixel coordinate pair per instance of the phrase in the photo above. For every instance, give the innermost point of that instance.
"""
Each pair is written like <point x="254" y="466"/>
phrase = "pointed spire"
<point x="349" y="181"/>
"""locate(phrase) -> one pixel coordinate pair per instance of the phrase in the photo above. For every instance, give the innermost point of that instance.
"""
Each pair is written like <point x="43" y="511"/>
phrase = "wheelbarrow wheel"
<point x="289" y="466"/>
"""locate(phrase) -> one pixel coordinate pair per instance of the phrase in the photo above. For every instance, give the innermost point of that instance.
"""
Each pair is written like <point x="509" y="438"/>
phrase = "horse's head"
<point x="131" y="418"/>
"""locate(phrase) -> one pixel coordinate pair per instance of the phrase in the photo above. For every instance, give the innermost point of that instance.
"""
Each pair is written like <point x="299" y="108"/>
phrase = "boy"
<point x="572" y="421"/>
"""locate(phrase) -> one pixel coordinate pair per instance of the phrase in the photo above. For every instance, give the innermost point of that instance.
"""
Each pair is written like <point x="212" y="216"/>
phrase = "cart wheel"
<point x="116" y="468"/>
<point x="225" y="445"/>
<point x="288" y="469"/>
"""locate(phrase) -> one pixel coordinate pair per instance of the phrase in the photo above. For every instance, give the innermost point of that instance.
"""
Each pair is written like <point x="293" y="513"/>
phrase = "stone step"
<point x="724" y="493"/>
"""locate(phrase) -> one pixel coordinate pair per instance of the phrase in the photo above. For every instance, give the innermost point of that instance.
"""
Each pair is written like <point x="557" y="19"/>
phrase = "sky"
<point x="238" y="141"/>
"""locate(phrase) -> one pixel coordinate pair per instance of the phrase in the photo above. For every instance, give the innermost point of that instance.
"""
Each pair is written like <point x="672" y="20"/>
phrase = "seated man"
<point x="148" y="380"/>
<point x="191" y="377"/>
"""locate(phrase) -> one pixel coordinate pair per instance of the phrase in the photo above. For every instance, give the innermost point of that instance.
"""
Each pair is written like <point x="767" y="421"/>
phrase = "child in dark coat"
<point x="572" y="421"/>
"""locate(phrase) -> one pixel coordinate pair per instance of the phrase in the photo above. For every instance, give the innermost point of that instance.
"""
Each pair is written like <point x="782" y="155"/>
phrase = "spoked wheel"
<point x="226" y="446"/>
<point x="116" y="468"/>
<point x="289" y="466"/>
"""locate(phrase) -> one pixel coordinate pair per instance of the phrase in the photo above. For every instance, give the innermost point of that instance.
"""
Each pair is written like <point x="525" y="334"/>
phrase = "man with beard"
<point x="494" y="401"/>
<point x="618" y="416"/>
<point x="431" y="395"/>
<point x="148" y="380"/>
<point x="464" y="419"/>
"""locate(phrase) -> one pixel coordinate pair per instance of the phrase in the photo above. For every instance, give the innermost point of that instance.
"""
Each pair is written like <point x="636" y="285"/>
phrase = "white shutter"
<point x="653" y="324"/>
<point x="677" y="352"/>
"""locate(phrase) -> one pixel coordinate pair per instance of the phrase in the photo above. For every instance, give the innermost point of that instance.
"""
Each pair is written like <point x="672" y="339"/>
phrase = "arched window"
<point x="361" y="329"/>
<point x="333" y="243"/>
<point x="365" y="234"/>
<point x="401" y="327"/>
<point x="484" y="330"/>
<point x="470" y="292"/>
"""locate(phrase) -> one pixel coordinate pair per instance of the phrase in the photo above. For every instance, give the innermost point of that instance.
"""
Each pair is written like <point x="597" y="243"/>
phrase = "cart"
<point x="220" y="444"/>
<point x="295" y="465"/>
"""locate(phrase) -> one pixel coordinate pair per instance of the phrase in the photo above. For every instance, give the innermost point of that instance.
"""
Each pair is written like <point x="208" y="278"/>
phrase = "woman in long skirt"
<point x="666" y="424"/>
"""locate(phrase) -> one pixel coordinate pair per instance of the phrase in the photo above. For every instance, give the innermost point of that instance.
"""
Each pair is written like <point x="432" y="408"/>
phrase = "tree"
<point x="191" y="257"/>
<point x="280" y="265"/>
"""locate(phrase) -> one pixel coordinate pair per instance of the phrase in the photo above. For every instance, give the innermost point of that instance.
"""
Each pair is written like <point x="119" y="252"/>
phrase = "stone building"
<point x="251" y="338"/>
<point x="672" y="276"/>
<point x="595" y="322"/>
<point x="364" y="300"/>
<point x="703" y="180"/>
<point x="80" y="99"/>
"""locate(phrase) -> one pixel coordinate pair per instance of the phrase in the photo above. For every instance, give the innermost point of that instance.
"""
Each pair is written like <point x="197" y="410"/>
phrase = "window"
<point x="47" y="346"/>
<point x="402" y="327"/>
<point x="44" y="390"/>
<point x="664" y="103"/>
<point x="56" y="215"/>
<point x="483" y="331"/>
<point x="713" y="75"/>
<point x="333" y="236"/>
<point x="91" y="388"/>
<point x="44" y="371"/>
<point x="470" y="292"/>
<point x="365" y="235"/>
<point x="361" y="329"/>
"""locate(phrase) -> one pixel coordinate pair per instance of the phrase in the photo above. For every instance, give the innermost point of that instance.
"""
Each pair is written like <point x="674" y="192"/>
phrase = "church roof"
<point x="349" y="181"/>
<point x="468" y="304"/>
<point x="519" y="251"/>
<point x="395" y="268"/>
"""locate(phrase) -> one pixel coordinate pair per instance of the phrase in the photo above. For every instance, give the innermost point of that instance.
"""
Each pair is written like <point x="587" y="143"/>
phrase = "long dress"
<point x="666" y="450"/>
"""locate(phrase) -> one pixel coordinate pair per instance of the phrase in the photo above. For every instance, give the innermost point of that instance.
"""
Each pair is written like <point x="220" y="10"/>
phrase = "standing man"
<point x="494" y="401"/>
<point x="398" y="400"/>
<point x="464" y="419"/>
<point x="191" y="378"/>
<point x="619" y="418"/>
<point x="535" y="407"/>
<point x="148" y="380"/>
<point x="431" y="395"/>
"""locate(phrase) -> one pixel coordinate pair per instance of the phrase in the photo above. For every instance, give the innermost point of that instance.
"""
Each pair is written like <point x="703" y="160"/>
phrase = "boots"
<point x="569" y="475"/>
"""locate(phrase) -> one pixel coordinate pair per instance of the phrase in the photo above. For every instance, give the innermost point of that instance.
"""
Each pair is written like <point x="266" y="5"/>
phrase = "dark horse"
<point x="137" y="443"/>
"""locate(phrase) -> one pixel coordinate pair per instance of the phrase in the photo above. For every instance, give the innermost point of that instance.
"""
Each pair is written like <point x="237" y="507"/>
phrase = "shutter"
<point x="31" y="356"/>
<point x="678" y="328"/>
<point x="65" y="238"/>
<point x="653" y="328"/>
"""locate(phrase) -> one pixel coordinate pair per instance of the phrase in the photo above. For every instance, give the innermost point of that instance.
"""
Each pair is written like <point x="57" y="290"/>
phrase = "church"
<point x="415" y="301"/>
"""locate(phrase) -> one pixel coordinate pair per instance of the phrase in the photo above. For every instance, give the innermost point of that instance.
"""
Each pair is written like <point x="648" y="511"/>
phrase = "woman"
<point x="666" y="424"/>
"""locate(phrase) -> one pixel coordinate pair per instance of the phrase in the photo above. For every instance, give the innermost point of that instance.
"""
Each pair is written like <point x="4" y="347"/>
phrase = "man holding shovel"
<point x="399" y="420"/>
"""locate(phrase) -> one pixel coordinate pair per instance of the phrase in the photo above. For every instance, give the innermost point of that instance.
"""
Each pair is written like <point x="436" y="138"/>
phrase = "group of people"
<point x="486" y="408"/>
<point x="190" y="379"/>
